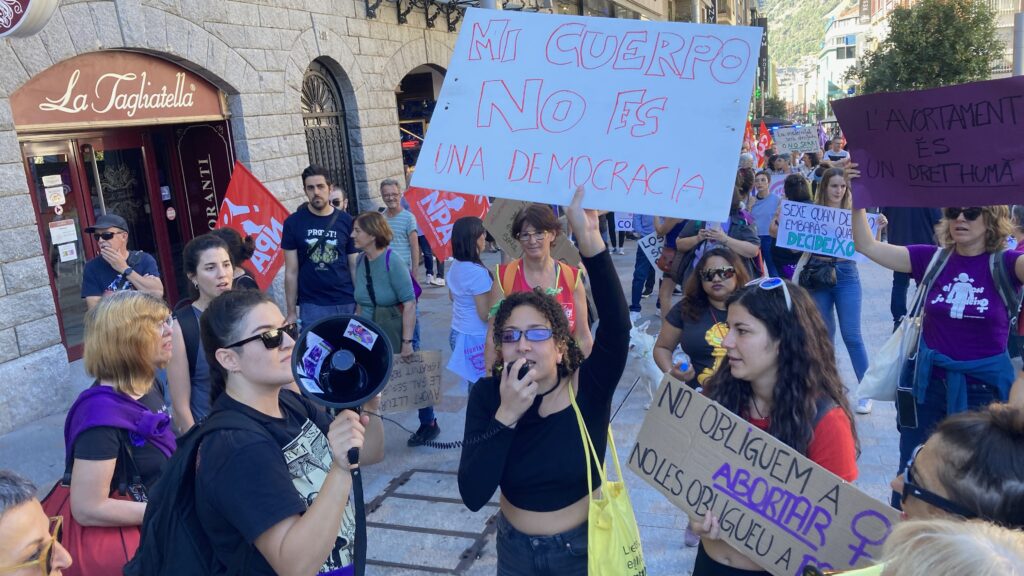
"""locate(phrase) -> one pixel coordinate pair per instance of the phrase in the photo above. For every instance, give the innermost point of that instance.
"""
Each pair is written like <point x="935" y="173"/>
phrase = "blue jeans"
<point x="520" y="554"/>
<point x="845" y="297"/>
<point x="931" y="413"/>
<point x="766" y="254"/>
<point x="642" y="271"/>
<point x="312" y="313"/>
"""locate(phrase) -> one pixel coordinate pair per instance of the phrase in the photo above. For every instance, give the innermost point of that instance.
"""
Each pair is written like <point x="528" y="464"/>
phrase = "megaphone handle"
<point x="353" y="456"/>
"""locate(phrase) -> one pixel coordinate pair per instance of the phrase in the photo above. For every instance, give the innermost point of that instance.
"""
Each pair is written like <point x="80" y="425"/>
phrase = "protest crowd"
<point x="226" y="433"/>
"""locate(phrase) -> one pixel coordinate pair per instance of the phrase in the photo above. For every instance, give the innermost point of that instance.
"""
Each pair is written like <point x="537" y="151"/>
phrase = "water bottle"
<point x="680" y="360"/>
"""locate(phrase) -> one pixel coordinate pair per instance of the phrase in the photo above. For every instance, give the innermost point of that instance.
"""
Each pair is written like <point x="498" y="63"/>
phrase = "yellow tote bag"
<point x="613" y="539"/>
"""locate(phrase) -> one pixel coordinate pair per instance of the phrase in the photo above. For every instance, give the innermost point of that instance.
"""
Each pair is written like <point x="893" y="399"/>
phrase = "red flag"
<point x="252" y="210"/>
<point x="764" y="142"/>
<point x="748" y="137"/>
<point x="436" y="211"/>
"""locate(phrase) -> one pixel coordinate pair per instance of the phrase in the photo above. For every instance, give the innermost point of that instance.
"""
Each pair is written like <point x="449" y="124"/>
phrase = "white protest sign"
<point x="796" y="139"/>
<point x="819" y="230"/>
<point x="534" y="105"/>
<point x="778" y="185"/>
<point x="415" y="382"/>
<point x="773" y="505"/>
<point x="623" y="222"/>
<point x="652" y="245"/>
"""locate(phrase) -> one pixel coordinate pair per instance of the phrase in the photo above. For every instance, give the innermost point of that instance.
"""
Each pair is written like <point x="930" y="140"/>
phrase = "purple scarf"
<point x="104" y="406"/>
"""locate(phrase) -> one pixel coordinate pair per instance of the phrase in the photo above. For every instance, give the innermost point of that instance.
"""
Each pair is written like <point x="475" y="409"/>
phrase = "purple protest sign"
<point x="952" y="146"/>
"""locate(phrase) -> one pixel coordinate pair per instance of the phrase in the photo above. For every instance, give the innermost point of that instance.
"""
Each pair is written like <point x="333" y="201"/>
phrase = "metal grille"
<point x="323" y="115"/>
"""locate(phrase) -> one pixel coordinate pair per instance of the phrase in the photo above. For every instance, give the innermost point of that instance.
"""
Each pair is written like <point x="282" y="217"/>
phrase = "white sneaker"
<point x="864" y="406"/>
<point x="430" y="279"/>
<point x="438" y="282"/>
<point x="622" y="250"/>
<point x="634" y="317"/>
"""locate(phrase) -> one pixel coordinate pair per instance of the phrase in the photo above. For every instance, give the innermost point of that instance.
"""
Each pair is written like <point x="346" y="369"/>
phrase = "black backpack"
<point x="172" y="541"/>
<point x="186" y="319"/>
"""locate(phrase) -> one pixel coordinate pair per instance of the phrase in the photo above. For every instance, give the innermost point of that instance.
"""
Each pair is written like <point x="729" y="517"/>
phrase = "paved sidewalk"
<point x="418" y="524"/>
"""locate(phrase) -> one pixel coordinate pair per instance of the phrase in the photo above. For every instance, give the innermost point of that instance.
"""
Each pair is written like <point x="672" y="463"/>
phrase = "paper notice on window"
<point x="63" y="232"/>
<point x="52" y="180"/>
<point x="68" y="252"/>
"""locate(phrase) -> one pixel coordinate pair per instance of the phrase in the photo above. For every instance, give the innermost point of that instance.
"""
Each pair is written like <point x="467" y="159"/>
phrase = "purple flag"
<point x="952" y="146"/>
<point x="822" y="136"/>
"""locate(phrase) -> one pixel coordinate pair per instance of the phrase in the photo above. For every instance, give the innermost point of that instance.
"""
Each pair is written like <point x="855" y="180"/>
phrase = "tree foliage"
<point x="775" y="107"/>
<point x="934" y="43"/>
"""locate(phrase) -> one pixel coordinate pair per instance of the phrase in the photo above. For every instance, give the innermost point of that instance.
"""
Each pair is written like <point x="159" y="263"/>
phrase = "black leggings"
<point x="612" y="235"/>
<point x="705" y="566"/>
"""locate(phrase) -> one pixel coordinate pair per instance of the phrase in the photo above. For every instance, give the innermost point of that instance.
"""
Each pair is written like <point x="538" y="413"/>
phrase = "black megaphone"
<point x="342" y="361"/>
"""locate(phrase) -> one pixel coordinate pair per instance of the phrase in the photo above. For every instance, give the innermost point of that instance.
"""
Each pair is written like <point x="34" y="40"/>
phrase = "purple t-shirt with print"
<point x="964" y="316"/>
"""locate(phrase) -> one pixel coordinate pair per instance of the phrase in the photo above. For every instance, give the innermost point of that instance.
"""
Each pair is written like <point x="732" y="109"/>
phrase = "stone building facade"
<point x="257" y="55"/>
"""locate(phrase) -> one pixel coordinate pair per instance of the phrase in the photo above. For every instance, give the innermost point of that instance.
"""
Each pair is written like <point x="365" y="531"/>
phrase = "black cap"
<point x="108" y="221"/>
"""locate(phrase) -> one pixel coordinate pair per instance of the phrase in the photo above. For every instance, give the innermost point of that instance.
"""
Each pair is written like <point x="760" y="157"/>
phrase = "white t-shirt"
<point x="466" y="280"/>
<point x="832" y="155"/>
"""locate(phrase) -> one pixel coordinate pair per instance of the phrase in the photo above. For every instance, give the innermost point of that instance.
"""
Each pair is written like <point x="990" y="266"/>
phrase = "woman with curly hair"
<point x="781" y="378"/>
<point x="962" y="361"/>
<point x="522" y="433"/>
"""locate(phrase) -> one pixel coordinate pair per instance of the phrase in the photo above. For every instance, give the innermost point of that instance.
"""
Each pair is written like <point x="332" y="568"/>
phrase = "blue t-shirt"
<point x="324" y="277"/>
<point x="99" y="279"/>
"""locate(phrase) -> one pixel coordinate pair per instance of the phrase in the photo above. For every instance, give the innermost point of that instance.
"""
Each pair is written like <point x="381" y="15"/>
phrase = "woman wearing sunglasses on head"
<point x="29" y="541"/>
<point x="697" y="322"/>
<point x="521" y="431"/>
<point x="782" y="378"/>
<point x="276" y="506"/>
<point x="962" y="360"/>
<point x="208" y="266"/>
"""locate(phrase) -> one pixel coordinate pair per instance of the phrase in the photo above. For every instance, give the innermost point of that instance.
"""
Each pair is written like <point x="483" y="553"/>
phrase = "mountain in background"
<point x="796" y="28"/>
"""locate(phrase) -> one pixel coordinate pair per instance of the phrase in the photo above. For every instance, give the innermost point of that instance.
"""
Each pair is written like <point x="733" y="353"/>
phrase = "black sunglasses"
<point x="104" y="235"/>
<point x="336" y="202"/>
<point x="511" y="336"/>
<point x="970" y="214"/>
<point x="725" y="273"/>
<point x="912" y="488"/>
<point x="271" y="338"/>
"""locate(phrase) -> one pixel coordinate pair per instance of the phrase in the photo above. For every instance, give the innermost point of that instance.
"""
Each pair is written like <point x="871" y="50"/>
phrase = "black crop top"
<point x="539" y="464"/>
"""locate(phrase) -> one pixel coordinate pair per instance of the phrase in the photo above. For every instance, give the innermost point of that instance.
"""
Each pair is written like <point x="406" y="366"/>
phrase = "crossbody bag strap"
<point x="126" y="459"/>
<point x="1004" y="286"/>
<point x="369" y="279"/>
<point x="323" y="238"/>
<point x="935" y="267"/>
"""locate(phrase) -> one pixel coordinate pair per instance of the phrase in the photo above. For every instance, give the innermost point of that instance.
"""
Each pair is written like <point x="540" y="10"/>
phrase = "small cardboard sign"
<point x="796" y="139"/>
<point x="63" y="232"/>
<point x="415" y="382"/>
<point x="774" y="505"/>
<point x="819" y="230"/>
<point x="623" y="222"/>
<point x="499" y="223"/>
<point x="652" y="246"/>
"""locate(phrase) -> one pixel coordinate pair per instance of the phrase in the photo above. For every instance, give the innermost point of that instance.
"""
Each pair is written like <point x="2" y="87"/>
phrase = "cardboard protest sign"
<point x="436" y="211"/>
<point x="773" y="505"/>
<point x="415" y="382"/>
<point x="534" y="105"/>
<point x="796" y="139"/>
<point x="952" y="146"/>
<point x="623" y="222"/>
<point x="499" y="223"/>
<point x="819" y="230"/>
<point x="252" y="210"/>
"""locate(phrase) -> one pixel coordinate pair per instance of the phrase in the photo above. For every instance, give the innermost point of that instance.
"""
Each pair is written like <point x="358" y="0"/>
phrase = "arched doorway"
<point x="416" y="97"/>
<point x="323" y="115"/>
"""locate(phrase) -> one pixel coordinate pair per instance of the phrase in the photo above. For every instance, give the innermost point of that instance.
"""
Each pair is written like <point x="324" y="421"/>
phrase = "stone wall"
<point x="257" y="52"/>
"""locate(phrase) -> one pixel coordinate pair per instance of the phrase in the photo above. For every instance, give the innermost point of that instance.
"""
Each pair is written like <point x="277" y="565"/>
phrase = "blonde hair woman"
<point x="118" y="430"/>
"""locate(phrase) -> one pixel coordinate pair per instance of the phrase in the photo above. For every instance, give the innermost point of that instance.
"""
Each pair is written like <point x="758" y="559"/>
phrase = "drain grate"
<point x="401" y="498"/>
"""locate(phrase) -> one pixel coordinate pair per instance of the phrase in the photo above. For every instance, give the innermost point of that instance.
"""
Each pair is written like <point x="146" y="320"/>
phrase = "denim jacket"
<point x="994" y="370"/>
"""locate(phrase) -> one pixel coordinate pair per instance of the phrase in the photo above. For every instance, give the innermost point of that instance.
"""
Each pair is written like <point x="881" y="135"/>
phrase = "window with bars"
<point x="323" y="116"/>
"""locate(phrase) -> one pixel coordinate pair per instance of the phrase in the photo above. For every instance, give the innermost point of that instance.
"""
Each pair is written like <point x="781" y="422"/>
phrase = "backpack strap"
<point x="822" y="406"/>
<point x="507" y="275"/>
<point x="186" y="318"/>
<point x="935" y="266"/>
<point x="570" y="272"/>
<point x="1011" y="299"/>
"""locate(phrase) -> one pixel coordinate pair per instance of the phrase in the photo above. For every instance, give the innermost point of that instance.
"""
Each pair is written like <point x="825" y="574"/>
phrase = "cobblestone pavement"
<point x="418" y="524"/>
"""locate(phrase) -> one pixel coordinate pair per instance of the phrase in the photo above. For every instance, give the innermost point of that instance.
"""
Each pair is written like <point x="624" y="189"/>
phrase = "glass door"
<point x="120" y="179"/>
<point x="58" y="203"/>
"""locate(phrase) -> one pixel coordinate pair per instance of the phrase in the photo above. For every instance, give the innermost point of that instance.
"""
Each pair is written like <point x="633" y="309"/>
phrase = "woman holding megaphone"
<point x="275" y="503"/>
<point x="521" y="431"/>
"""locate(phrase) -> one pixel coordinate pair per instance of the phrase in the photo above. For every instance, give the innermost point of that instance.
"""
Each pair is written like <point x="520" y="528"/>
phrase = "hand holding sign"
<point x="584" y="225"/>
